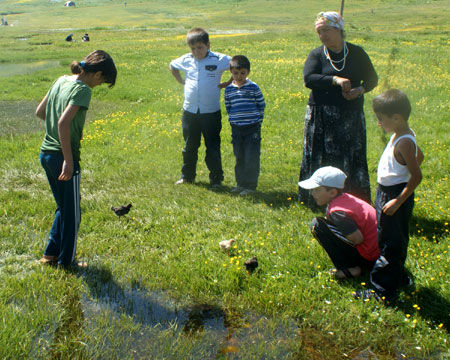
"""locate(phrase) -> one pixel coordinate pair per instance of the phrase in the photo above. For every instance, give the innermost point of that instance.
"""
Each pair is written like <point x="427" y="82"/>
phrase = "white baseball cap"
<point x="325" y="176"/>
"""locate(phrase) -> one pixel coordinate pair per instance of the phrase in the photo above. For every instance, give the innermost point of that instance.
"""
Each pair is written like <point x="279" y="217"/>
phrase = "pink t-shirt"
<point x="365" y="217"/>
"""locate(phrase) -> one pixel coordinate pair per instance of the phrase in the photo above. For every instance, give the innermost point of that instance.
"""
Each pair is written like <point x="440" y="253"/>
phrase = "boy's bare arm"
<point x="64" y="139"/>
<point x="225" y="84"/>
<point x="419" y="156"/>
<point x="176" y="74"/>
<point x="40" y="110"/>
<point x="407" y="151"/>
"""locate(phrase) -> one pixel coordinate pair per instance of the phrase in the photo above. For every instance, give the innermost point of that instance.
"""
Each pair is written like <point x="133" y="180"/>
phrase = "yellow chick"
<point x="226" y="244"/>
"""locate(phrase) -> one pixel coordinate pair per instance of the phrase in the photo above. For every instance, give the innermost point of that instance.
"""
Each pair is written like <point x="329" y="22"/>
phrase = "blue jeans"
<point x="194" y="125"/>
<point x="388" y="273"/>
<point x="63" y="234"/>
<point x="246" y="142"/>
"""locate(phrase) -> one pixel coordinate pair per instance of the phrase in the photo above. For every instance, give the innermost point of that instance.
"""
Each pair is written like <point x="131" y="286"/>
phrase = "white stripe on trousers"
<point x="77" y="211"/>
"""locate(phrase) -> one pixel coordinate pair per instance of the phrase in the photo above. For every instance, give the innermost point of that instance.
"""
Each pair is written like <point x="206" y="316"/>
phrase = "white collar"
<point x="247" y="81"/>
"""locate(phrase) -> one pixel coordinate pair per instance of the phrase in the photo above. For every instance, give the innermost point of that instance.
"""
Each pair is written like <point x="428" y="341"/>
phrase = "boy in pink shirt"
<point x="348" y="233"/>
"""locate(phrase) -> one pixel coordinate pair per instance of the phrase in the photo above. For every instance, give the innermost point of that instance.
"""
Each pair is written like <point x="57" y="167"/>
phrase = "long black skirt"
<point x="335" y="137"/>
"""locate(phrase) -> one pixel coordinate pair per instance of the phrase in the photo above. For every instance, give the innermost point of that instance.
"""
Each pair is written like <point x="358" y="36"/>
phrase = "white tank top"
<point x="390" y="171"/>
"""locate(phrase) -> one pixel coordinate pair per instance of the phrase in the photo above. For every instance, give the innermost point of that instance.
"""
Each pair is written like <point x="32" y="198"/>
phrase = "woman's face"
<point x="330" y="36"/>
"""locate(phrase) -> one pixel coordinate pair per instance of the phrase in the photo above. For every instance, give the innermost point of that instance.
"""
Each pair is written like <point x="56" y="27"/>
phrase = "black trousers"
<point x="194" y="126"/>
<point x="342" y="254"/>
<point x="388" y="273"/>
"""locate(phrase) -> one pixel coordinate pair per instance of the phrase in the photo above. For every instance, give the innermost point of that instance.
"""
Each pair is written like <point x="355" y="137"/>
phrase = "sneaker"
<point x="216" y="186"/>
<point x="367" y="295"/>
<point x="246" y="192"/>
<point x="183" y="181"/>
<point x="236" y="189"/>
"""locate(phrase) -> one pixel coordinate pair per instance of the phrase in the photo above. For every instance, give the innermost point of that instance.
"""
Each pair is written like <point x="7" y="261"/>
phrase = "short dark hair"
<point x="98" y="60"/>
<point x="239" y="62"/>
<point x="392" y="101"/>
<point x="196" y="35"/>
<point x="339" y="191"/>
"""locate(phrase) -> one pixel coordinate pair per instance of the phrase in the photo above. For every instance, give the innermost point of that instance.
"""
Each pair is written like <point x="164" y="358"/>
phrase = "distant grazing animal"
<point x="121" y="210"/>
<point x="251" y="264"/>
<point x="226" y="244"/>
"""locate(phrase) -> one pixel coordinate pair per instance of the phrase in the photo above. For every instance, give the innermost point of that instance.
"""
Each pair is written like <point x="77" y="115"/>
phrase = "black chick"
<point x="121" y="210"/>
<point x="251" y="264"/>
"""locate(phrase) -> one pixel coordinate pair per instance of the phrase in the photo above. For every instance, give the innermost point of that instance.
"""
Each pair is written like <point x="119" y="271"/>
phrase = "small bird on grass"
<point x="121" y="210"/>
<point x="251" y="264"/>
<point x="226" y="244"/>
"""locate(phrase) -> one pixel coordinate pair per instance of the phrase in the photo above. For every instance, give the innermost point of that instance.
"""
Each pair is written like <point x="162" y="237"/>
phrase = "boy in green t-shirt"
<point x="64" y="111"/>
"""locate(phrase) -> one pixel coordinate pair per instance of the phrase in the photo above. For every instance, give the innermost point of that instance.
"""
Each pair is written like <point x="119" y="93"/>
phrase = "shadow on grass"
<point x="427" y="303"/>
<point x="275" y="199"/>
<point x="432" y="230"/>
<point x="69" y="329"/>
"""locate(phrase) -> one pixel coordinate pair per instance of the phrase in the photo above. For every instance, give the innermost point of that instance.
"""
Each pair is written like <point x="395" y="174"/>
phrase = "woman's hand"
<point x="344" y="83"/>
<point x="353" y="93"/>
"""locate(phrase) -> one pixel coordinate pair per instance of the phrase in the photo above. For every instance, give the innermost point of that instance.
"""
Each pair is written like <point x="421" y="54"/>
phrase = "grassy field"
<point x="157" y="285"/>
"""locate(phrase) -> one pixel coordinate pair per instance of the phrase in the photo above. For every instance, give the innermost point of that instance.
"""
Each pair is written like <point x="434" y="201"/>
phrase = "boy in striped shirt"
<point x="245" y="107"/>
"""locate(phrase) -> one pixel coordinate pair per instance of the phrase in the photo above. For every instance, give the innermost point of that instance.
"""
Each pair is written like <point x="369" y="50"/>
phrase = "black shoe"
<point x="216" y="186"/>
<point x="406" y="281"/>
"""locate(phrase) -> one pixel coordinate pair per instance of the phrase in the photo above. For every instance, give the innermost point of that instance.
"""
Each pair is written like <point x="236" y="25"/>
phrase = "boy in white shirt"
<point x="398" y="176"/>
<point x="201" y="109"/>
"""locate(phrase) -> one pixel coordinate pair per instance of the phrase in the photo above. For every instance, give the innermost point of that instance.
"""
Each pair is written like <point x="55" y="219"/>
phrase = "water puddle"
<point x="7" y="70"/>
<point x="200" y="330"/>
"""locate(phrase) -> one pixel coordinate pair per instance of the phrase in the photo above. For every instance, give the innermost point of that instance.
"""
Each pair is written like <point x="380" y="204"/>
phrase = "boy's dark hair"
<point x="239" y="62"/>
<point x="196" y="35"/>
<point x="339" y="191"/>
<point x="392" y="101"/>
<point x="98" y="60"/>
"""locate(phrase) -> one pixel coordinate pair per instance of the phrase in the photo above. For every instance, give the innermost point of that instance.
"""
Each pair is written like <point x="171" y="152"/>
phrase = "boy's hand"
<point x="67" y="171"/>
<point x="391" y="207"/>
<point x="176" y="74"/>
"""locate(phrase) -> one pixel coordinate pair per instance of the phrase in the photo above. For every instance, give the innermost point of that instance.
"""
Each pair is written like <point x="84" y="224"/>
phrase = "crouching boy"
<point x="348" y="233"/>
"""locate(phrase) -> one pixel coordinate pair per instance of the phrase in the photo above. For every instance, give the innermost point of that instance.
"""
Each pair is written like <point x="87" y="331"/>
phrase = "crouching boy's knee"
<point x="314" y="224"/>
<point x="318" y="226"/>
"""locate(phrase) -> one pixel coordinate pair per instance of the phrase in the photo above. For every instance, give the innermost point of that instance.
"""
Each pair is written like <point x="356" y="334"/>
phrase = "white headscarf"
<point x="330" y="18"/>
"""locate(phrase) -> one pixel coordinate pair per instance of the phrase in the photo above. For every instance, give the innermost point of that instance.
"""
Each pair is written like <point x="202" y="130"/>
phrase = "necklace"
<point x="332" y="62"/>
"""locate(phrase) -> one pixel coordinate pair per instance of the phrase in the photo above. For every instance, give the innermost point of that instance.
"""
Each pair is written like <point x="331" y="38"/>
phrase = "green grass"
<point x="159" y="274"/>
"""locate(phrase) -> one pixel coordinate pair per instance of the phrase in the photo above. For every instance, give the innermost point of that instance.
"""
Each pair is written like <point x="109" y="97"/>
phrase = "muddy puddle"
<point x="7" y="70"/>
<point x="164" y="328"/>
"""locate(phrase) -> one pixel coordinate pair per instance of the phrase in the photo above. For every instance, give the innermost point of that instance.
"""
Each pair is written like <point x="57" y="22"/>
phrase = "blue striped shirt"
<point x="245" y="105"/>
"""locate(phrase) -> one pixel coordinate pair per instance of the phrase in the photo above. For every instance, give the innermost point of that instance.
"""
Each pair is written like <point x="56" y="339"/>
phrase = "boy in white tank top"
<point x="398" y="175"/>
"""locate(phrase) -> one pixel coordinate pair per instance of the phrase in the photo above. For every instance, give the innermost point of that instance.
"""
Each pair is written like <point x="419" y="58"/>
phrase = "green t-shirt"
<point x="64" y="91"/>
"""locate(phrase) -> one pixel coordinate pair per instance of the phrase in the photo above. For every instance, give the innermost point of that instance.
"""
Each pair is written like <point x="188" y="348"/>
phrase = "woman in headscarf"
<point x="338" y="74"/>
